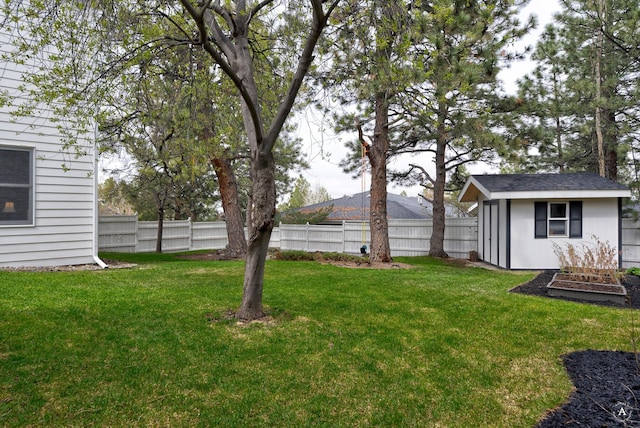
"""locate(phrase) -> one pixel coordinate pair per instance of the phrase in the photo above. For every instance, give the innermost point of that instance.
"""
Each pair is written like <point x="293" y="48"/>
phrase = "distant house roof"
<point x="528" y="186"/>
<point x="356" y="208"/>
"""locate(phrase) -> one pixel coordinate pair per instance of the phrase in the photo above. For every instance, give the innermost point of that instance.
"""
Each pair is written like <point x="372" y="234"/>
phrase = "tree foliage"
<point x="578" y="108"/>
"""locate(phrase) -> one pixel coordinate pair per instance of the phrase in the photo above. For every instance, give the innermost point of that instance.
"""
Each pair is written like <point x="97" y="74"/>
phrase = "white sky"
<point x="324" y="150"/>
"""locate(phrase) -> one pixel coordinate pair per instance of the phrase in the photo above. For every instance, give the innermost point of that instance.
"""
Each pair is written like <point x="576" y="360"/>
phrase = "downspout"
<point x="508" y="237"/>
<point x="96" y="259"/>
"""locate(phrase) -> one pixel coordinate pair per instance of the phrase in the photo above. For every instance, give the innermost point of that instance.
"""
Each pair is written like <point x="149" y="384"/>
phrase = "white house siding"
<point x="598" y="219"/>
<point x="63" y="229"/>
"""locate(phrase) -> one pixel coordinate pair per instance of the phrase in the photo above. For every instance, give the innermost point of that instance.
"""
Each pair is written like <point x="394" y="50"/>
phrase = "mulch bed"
<point x="607" y="383"/>
<point x="537" y="287"/>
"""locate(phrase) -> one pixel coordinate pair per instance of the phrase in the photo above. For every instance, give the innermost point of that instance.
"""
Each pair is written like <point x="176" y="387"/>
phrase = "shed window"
<point x="558" y="219"/>
<point x="16" y="186"/>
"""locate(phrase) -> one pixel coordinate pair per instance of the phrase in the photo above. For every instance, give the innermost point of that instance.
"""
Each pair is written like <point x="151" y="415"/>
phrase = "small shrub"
<point x="293" y="255"/>
<point x="597" y="262"/>
<point x="299" y="255"/>
<point x="634" y="271"/>
<point x="342" y="257"/>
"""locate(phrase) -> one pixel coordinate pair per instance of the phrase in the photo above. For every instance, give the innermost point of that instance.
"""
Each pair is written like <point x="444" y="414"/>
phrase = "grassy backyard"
<point x="432" y="346"/>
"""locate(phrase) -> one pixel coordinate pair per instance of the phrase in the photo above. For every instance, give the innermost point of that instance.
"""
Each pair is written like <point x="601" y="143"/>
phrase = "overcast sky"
<point x="324" y="150"/>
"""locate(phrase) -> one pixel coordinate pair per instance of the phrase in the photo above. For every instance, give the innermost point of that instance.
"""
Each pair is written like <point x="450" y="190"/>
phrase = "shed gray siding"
<point x="63" y="229"/>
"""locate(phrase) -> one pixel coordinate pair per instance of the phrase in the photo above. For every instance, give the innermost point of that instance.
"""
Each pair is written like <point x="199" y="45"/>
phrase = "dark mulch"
<point x="607" y="383"/>
<point x="212" y="255"/>
<point x="607" y="391"/>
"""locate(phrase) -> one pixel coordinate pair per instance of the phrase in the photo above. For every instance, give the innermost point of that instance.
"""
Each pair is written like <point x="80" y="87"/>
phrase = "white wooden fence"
<point x="406" y="237"/>
<point x="630" y="243"/>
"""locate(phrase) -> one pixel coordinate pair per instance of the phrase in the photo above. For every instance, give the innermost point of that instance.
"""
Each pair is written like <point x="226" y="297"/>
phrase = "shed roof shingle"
<point x="542" y="182"/>
<point x="524" y="186"/>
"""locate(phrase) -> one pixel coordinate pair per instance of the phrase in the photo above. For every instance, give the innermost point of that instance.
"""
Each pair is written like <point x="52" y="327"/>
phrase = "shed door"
<point x="490" y="232"/>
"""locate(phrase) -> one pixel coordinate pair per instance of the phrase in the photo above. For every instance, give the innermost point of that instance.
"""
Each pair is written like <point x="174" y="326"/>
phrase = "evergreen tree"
<point x="579" y="107"/>
<point x="454" y="111"/>
<point x="370" y="68"/>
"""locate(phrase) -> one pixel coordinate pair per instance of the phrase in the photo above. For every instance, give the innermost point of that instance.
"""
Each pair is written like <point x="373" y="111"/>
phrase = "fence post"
<point x="307" y="236"/>
<point x="137" y="232"/>
<point x="344" y="236"/>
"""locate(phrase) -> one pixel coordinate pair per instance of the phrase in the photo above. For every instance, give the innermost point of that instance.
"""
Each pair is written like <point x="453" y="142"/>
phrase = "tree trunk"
<point x="237" y="243"/>
<point x="559" y="133"/>
<point x="598" y="96"/>
<point x="436" y="243"/>
<point x="611" y="147"/>
<point x="260" y="227"/>
<point x="262" y="204"/>
<point x="379" y="224"/>
<point x="160" y="230"/>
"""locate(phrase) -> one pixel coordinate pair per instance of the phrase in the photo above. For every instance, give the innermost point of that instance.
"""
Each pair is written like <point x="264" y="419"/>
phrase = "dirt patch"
<point x="111" y="264"/>
<point x="212" y="255"/>
<point x="366" y="265"/>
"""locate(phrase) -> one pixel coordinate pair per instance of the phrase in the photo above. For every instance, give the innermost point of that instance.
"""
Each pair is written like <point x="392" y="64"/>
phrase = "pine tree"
<point x="454" y="112"/>
<point x="587" y="120"/>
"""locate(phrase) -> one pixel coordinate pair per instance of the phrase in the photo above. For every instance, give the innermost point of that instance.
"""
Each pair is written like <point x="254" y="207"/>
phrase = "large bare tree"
<point x="224" y="33"/>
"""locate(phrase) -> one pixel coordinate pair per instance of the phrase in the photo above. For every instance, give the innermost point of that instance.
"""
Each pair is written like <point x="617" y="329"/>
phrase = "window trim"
<point x="30" y="221"/>
<point x="564" y="220"/>
<point x="542" y="218"/>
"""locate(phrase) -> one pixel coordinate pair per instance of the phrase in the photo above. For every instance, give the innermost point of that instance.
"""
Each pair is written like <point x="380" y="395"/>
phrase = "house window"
<point x="16" y="186"/>
<point x="558" y="219"/>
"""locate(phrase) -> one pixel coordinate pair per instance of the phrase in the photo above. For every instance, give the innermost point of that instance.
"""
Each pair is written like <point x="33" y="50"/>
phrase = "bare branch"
<point x="425" y="177"/>
<point x="258" y="8"/>
<point x="219" y="38"/>
<point x="199" y="20"/>
<point x="304" y="63"/>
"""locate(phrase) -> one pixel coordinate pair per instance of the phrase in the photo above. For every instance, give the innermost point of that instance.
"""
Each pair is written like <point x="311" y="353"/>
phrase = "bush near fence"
<point x="406" y="237"/>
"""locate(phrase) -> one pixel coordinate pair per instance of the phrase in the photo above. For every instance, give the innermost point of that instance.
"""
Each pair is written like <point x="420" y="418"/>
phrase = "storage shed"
<point x="521" y="216"/>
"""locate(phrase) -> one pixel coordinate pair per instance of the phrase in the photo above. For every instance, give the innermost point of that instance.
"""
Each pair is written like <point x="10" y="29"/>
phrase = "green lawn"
<point x="433" y="346"/>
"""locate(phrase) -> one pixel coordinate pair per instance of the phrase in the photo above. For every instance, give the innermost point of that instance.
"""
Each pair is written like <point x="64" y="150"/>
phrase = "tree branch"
<point x="425" y="178"/>
<point x="366" y="146"/>
<point x="226" y="67"/>
<point x="258" y="8"/>
<point x="304" y="63"/>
